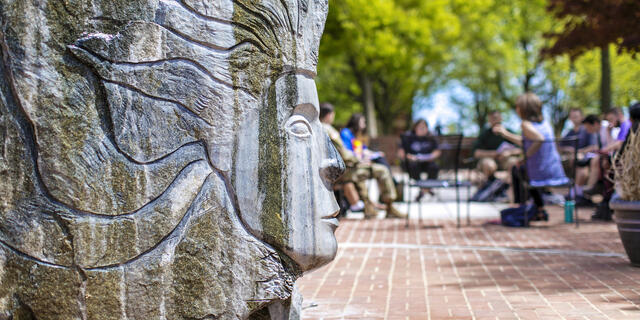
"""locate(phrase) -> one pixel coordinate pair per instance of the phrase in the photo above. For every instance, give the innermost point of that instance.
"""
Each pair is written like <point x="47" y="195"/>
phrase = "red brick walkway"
<point x="550" y="271"/>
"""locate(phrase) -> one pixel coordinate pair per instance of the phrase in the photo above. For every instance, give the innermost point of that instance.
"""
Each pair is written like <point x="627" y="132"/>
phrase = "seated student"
<point x="585" y="143"/>
<point x="353" y="136"/>
<point x="358" y="171"/>
<point x="634" y="115"/>
<point x="585" y="139"/>
<point x="356" y="125"/>
<point x="593" y="125"/>
<point x="421" y="150"/>
<point x="599" y="156"/>
<point x="603" y="212"/>
<point x="492" y="149"/>
<point x="616" y="120"/>
<point x="354" y="139"/>
<point x="543" y="166"/>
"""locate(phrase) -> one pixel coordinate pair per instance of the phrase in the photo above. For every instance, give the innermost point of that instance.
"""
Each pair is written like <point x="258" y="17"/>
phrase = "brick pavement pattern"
<point x="436" y="271"/>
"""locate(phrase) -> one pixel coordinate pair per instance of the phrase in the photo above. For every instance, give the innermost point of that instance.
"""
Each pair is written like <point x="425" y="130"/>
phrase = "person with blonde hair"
<point x="543" y="165"/>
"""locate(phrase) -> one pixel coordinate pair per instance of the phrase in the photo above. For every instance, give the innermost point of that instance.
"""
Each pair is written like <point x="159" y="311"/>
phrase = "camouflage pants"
<point x="363" y="172"/>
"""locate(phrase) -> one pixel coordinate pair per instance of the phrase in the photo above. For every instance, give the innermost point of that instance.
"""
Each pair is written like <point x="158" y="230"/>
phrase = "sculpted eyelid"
<point x="306" y="110"/>
<point x="298" y="119"/>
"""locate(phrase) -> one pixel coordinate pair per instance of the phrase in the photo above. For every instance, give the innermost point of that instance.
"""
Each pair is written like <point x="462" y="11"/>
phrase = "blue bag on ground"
<point x="514" y="217"/>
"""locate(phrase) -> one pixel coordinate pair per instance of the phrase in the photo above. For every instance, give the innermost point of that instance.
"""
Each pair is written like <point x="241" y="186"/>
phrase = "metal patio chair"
<point x="450" y="146"/>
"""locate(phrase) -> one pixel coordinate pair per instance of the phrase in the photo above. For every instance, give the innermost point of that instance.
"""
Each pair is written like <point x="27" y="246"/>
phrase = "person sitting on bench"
<point x="421" y="149"/>
<point x="359" y="172"/>
<point x="543" y="165"/>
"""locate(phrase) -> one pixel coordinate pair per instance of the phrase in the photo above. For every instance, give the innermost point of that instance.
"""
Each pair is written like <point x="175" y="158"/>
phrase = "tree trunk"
<point x="503" y="92"/>
<point x="605" y="82"/>
<point x="481" y="115"/>
<point x="369" y="107"/>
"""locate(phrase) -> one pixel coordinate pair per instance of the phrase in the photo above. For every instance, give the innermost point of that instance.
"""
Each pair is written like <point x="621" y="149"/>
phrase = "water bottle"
<point x="569" y="207"/>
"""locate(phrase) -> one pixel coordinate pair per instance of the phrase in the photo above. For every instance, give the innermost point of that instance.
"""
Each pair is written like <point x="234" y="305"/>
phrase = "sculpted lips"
<point x="331" y="216"/>
<point x="331" y="219"/>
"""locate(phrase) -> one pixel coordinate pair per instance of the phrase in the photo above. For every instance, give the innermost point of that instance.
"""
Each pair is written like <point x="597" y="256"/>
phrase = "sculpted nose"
<point x="332" y="167"/>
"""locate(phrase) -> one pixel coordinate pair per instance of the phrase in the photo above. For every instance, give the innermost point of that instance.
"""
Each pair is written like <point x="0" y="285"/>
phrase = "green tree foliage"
<point x="499" y="57"/>
<point x="589" y="24"/>
<point x="497" y="53"/>
<point x="410" y="48"/>
<point x="575" y="83"/>
<point x="400" y="47"/>
<point x="582" y="76"/>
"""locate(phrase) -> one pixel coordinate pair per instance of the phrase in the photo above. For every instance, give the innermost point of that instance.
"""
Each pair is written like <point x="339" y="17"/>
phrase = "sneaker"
<point x="358" y="207"/>
<point x="603" y="213"/>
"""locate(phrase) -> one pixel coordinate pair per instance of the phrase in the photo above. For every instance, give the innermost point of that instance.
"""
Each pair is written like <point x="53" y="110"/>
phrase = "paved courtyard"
<point x="436" y="271"/>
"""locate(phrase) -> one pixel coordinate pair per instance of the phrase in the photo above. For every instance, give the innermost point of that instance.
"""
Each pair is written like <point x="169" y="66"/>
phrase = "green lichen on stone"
<point x="270" y="172"/>
<point x="145" y="290"/>
<point x="251" y="24"/>
<point x="64" y="19"/>
<point x="103" y="292"/>
<point x="196" y="286"/>
<point x="253" y="65"/>
<point x="259" y="67"/>
<point x="50" y="292"/>
<point x="17" y="181"/>
<point x="255" y="70"/>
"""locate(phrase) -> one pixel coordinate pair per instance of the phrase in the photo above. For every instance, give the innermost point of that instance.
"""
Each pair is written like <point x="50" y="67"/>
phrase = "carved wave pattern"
<point x="169" y="85"/>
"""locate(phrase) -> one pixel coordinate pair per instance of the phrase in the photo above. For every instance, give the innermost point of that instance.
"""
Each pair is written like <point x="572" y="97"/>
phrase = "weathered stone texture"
<point x="161" y="159"/>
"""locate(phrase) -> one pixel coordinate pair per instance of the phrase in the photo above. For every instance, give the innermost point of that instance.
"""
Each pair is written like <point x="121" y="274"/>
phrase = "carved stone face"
<point x="163" y="158"/>
<point x="284" y="180"/>
<point x="243" y="90"/>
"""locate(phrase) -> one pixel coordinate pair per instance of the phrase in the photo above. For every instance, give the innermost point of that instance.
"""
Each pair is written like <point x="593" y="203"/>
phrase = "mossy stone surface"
<point x="146" y="162"/>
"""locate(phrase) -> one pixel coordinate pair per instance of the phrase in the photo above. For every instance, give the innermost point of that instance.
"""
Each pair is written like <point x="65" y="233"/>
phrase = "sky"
<point x="436" y="109"/>
<point x="439" y="108"/>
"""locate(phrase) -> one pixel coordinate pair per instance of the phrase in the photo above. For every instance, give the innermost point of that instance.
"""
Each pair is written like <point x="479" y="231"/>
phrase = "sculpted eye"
<point x="299" y="126"/>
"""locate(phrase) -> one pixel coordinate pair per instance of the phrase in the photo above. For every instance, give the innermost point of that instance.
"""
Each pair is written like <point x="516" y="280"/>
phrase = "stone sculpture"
<point x="161" y="159"/>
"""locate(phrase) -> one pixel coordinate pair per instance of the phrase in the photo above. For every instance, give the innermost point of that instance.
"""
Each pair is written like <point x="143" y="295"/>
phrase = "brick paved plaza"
<point x="436" y="271"/>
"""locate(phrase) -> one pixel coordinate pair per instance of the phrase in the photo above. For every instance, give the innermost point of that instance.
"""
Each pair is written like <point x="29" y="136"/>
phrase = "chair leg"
<point x="419" y="213"/>
<point x="406" y="224"/>
<point x="575" y="208"/>
<point x="405" y="188"/>
<point x="525" y="197"/>
<point x="458" y="205"/>
<point x="577" y="217"/>
<point x="468" y="205"/>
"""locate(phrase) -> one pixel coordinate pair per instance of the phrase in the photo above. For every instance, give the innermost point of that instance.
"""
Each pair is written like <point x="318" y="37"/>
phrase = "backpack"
<point x="514" y="217"/>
